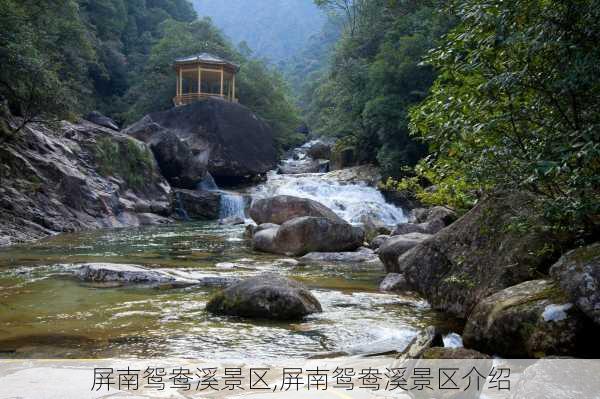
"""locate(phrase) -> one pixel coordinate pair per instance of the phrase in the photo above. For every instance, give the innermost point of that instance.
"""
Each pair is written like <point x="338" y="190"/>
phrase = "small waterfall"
<point x="232" y="205"/>
<point x="179" y="208"/>
<point x="352" y="201"/>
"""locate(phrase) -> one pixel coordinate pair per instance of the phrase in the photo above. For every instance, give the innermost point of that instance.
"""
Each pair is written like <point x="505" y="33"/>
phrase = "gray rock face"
<point x="395" y="246"/>
<point x="302" y="235"/>
<point x="198" y="205"/>
<point x="394" y="282"/>
<point x="102" y="120"/>
<point x="363" y="255"/>
<point x="578" y="274"/>
<point x="265" y="297"/>
<point x="478" y="255"/>
<point x="72" y="177"/>
<point x="531" y="319"/>
<point x="233" y="143"/>
<point x="281" y="208"/>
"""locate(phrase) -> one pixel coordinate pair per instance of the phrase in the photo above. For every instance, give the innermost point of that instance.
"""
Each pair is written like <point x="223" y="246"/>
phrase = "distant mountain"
<point x="273" y="29"/>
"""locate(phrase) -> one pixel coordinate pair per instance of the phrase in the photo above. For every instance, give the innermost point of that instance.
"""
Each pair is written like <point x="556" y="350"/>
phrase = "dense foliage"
<point x="517" y="105"/>
<point x="67" y="57"/>
<point x="376" y="76"/>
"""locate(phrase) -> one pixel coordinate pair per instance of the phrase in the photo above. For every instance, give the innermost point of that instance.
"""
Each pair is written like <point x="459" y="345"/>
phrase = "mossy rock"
<point x="265" y="297"/>
<point x="530" y="320"/>
<point x="578" y="273"/>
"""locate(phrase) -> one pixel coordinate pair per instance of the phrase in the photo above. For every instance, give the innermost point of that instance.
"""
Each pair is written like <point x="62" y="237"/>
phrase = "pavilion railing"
<point x="188" y="98"/>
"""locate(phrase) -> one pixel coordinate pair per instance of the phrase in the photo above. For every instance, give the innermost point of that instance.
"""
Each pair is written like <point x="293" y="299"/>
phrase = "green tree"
<point x="44" y="53"/>
<point x="376" y="76"/>
<point x="516" y="105"/>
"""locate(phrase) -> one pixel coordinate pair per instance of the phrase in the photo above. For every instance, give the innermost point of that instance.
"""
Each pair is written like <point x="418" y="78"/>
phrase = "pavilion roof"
<point x="207" y="59"/>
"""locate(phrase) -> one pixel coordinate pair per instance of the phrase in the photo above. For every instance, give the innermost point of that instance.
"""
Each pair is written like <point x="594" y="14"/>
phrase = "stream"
<point x="45" y="312"/>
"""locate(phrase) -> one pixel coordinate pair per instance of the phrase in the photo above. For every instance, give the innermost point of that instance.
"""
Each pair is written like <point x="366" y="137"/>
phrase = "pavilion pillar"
<point x="233" y="89"/>
<point x="221" y="81"/>
<point x="180" y="81"/>
<point x="177" y="88"/>
<point x="199" y="80"/>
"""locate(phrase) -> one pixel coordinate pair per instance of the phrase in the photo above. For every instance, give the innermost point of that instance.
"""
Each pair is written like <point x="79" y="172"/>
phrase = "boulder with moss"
<point x="578" y="273"/>
<point x="483" y="252"/>
<point x="265" y="297"/>
<point x="531" y="319"/>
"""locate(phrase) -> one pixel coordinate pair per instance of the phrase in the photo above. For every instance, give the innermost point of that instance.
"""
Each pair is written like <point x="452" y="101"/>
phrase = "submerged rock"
<point x="281" y="208"/>
<point x="233" y="143"/>
<point x="126" y="274"/>
<point x="395" y="246"/>
<point x="578" y="273"/>
<point x="531" y="319"/>
<point x="363" y="255"/>
<point x="303" y="235"/>
<point x="265" y="297"/>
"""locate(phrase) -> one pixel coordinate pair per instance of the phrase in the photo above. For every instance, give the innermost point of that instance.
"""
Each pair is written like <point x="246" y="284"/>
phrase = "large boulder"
<point x="531" y="319"/>
<point x="265" y="297"/>
<point x="197" y="205"/>
<point x="318" y="149"/>
<point x="178" y="164"/>
<point x="264" y="240"/>
<point x="281" y="208"/>
<point x="232" y="142"/>
<point x="578" y="273"/>
<point x="480" y="254"/>
<point x="395" y="246"/>
<point x="303" y="235"/>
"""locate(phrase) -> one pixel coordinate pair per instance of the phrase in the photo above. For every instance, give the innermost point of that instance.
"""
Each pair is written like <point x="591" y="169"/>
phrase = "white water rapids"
<point x="351" y="201"/>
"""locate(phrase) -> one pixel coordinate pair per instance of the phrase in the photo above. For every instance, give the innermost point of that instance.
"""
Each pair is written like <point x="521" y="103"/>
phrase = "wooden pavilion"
<point x="203" y="76"/>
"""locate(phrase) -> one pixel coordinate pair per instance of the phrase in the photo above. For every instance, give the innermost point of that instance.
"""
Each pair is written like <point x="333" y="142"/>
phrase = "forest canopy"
<point x="67" y="57"/>
<point x="457" y="99"/>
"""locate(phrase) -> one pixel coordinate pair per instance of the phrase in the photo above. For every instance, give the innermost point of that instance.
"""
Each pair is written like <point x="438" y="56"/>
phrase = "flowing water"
<point x="45" y="311"/>
<point x="350" y="201"/>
